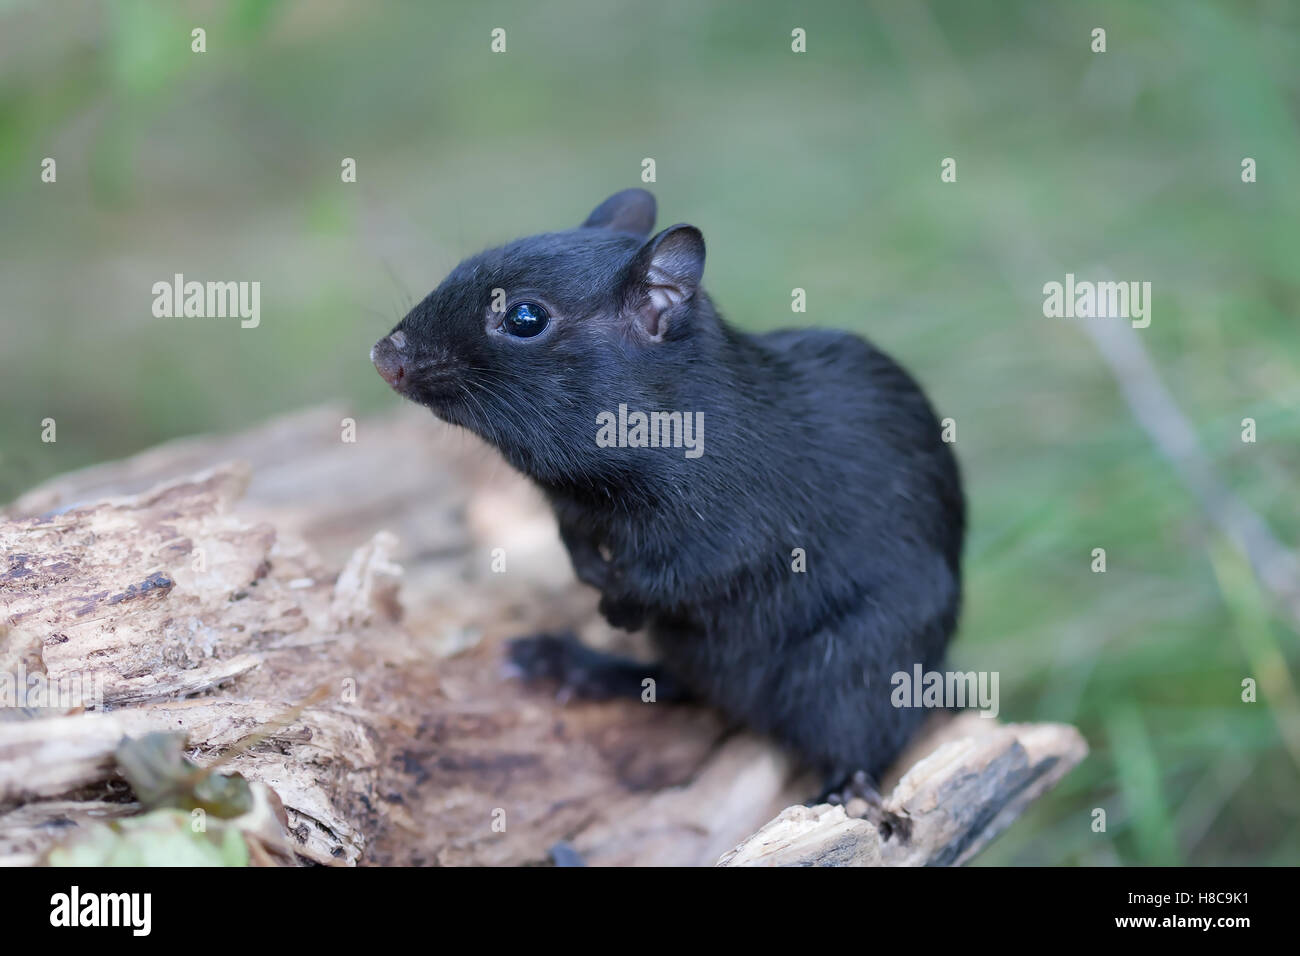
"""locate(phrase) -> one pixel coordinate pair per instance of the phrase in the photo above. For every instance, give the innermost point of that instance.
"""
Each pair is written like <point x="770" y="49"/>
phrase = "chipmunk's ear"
<point x="662" y="279"/>
<point x="632" y="210"/>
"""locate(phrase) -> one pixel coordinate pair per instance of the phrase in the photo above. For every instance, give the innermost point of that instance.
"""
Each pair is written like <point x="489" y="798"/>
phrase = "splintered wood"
<point x="341" y="599"/>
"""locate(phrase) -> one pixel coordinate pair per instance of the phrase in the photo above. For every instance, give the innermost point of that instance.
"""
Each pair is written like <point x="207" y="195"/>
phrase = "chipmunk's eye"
<point x="525" y="320"/>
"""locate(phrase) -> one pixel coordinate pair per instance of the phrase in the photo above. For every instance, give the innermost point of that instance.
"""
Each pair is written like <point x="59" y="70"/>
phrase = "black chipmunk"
<point x="815" y="447"/>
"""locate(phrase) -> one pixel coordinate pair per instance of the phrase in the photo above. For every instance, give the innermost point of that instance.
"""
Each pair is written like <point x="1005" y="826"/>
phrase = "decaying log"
<point x="340" y="598"/>
<point x="974" y="779"/>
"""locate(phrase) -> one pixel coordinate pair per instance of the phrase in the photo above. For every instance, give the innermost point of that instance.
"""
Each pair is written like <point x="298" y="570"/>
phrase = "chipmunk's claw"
<point x="859" y="797"/>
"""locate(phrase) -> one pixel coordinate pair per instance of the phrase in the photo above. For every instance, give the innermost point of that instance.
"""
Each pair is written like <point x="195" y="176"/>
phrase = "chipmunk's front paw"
<point x="581" y="672"/>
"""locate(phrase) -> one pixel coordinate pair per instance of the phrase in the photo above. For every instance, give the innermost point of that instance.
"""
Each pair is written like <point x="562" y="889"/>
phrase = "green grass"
<point x="819" y="171"/>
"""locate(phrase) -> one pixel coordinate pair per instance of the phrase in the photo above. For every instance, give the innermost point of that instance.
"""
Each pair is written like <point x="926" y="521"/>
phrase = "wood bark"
<point x="214" y="585"/>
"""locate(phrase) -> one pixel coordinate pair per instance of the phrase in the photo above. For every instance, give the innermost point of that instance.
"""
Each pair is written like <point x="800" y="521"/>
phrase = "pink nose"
<point x="389" y="360"/>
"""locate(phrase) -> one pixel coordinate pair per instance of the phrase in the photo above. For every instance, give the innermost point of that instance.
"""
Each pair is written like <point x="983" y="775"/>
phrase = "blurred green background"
<point x="818" y="170"/>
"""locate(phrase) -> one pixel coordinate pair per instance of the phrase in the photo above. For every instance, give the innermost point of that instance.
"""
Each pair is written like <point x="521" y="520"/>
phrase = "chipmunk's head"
<point x="525" y="344"/>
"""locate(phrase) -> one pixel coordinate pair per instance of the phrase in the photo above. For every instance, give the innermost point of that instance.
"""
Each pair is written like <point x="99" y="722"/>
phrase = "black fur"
<point x="813" y="439"/>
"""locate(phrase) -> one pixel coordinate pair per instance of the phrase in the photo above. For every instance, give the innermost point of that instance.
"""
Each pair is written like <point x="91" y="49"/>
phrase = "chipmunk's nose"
<point x="389" y="359"/>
